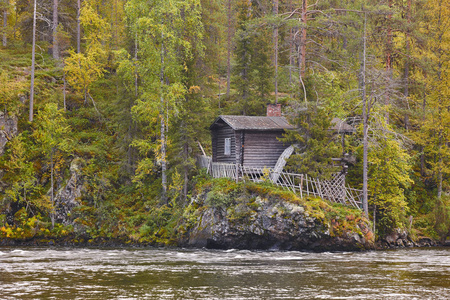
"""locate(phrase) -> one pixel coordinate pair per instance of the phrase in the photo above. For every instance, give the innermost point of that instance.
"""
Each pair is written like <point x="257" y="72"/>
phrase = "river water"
<point x="84" y="273"/>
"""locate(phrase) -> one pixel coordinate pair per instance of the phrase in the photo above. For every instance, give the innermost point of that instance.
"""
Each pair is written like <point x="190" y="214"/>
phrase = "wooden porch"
<point x="334" y="190"/>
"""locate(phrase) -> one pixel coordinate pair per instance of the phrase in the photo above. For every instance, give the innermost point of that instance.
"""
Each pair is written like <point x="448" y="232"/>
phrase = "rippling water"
<point x="75" y="273"/>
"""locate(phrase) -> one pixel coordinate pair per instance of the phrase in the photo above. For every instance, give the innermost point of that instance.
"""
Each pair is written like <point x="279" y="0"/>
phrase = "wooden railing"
<point x="333" y="190"/>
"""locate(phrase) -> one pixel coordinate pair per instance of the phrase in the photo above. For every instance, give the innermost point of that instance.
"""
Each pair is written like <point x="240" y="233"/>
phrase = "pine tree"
<point x="253" y="71"/>
<point x="315" y="145"/>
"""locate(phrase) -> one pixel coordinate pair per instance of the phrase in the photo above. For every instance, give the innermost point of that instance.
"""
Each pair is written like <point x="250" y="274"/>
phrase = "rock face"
<point x="271" y="225"/>
<point x="68" y="196"/>
<point x="8" y="129"/>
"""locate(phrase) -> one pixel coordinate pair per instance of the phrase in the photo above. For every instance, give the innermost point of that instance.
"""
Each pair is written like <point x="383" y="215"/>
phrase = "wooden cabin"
<point x="250" y="141"/>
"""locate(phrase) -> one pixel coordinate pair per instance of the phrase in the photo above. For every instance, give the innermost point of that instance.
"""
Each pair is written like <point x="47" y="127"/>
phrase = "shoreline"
<point x="85" y="242"/>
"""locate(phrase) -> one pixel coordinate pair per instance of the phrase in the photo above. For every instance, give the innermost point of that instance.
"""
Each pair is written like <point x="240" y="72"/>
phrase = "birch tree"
<point x="158" y="26"/>
<point x="83" y="69"/>
<point x="55" y="50"/>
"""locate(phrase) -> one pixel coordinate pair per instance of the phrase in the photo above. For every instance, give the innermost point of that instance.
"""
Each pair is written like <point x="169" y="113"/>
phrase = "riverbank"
<point x="78" y="241"/>
<point x="223" y="214"/>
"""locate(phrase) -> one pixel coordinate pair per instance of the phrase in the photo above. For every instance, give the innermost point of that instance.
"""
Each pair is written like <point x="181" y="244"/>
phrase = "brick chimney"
<point x="274" y="110"/>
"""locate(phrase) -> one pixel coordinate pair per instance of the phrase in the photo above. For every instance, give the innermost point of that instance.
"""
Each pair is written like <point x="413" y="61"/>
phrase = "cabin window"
<point x="227" y="150"/>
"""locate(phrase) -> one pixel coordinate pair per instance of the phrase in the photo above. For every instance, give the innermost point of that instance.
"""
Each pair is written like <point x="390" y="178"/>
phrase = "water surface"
<point x="77" y="273"/>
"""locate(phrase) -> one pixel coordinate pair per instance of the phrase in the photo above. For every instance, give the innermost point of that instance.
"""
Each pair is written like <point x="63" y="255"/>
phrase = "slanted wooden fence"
<point x="334" y="190"/>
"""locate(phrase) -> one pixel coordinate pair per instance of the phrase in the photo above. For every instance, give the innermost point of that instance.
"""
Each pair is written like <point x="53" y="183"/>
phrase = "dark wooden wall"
<point x="218" y="144"/>
<point x="248" y="148"/>
<point x="262" y="148"/>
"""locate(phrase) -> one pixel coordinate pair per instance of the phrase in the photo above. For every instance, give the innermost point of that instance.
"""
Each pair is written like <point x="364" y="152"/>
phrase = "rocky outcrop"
<point x="68" y="196"/>
<point x="399" y="238"/>
<point x="8" y="129"/>
<point x="276" y="225"/>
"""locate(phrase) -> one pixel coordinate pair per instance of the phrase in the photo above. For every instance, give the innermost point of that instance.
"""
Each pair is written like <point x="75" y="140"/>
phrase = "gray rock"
<point x="281" y="226"/>
<point x="67" y="198"/>
<point x="8" y="129"/>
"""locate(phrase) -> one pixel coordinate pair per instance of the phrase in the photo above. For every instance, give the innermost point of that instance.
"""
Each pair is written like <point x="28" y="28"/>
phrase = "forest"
<point x="118" y="94"/>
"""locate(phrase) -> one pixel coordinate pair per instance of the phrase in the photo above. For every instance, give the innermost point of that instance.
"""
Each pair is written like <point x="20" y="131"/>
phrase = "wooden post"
<point x="319" y="188"/>
<point x="307" y="188"/>
<point x="201" y="148"/>
<point x="301" y="186"/>
<point x="209" y="167"/>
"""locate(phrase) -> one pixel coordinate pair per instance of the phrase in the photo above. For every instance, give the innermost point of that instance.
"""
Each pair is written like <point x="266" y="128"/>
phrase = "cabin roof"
<point x="253" y="122"/>
<point x="340" y="126"/>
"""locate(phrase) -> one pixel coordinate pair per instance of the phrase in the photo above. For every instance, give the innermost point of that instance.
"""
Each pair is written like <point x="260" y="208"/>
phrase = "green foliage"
<point x="83" y="69"/>
<point x="442" y="217"/>
<point x="389" y="170"/>
<point x="171" y="25"/>
<point x="315" y="144"/>
<point x="147" y="63"/>
<point x="20" y="173"/>
<point x="26" y="228"/>
<point x="51" y="130"/>
<point x="253" y="71"/>
<point x="217" y="199"/>
<point x="9" y="88"/>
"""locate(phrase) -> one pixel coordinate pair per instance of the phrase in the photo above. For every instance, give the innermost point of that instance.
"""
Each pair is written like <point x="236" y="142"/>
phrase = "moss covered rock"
<point x="260" y="216"/>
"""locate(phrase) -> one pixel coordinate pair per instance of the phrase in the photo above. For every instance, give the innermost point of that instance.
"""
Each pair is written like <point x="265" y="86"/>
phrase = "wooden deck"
<point x="333" y="190"/>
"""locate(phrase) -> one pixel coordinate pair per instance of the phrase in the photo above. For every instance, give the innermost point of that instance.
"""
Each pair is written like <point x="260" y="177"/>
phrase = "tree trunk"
<point x="78" y="26"/>
<point x="302" y="46"/>
<point x="408" y="53"/>
<point x="64" y="91"/>
<point x="136" y="75"/>
<point x="5" y="23"/>
<point x="163" y="158"/>
<point x="302" y="49"/>
<point x="365" y="127"/>
<point x="388" y="63"/>
<point x="291" y="47"/>
<point x="33" y="53"/>
<point x="52" y="215"/>
<point x="440" y="163"/>
<point x="186" y="172"/>
<point x="229" y="45"/>
<point x="422" y="154"/>
<point x="163" y="131"/>
<point x="275" y="45"/>
<point x="55" y="51"/>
